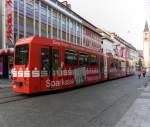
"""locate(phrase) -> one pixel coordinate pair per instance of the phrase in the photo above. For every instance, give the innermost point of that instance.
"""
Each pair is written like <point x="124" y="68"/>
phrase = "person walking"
<point x="139" y="73"/>
<point x="144" y="72"/>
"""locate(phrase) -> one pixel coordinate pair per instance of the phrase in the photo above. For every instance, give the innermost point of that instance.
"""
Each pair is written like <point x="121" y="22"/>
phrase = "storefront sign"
<point x="9" y="20"/>
<point x="1" y="67"/>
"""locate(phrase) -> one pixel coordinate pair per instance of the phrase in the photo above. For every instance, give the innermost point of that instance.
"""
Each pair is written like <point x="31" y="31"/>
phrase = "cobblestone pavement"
<point x="5" y="83"/>
<point x="103" y="105"/>
<point x="139" y="113"/>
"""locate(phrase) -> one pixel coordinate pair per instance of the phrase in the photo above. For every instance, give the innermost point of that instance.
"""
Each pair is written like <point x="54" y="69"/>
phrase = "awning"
<point x="7" y="51"/>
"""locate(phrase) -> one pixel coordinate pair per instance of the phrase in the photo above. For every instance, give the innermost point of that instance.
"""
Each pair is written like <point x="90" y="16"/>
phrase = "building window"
<point x="37" y="10"/>
<point x="43" y="30"/>
<point x="21" y="23"/>
<point x="68" y="29"/>
<point x="15" y="21"/>
<point x="29" y="7"/>
<point x="37" y="27"/>
<point x="55" y="18"/>
<point x="55" y="24"/>
<point x="49" y="31"/>
<point x="64" y="27"/>
<point x="59" y="25"/>
<point x="43" y="13"/>
<point x="21" y="6"/>
<point x="49" y="16"/>
<point x="29" y="25"/>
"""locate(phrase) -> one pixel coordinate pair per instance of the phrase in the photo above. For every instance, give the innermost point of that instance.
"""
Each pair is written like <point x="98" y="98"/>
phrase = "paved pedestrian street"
<point x="118" y="103"/>
<point x="139" y="112"/>
<point x="5" y="83"/>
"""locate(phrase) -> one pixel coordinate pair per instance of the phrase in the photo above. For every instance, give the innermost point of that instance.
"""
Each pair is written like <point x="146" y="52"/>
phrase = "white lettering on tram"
<point x="50" y="83"/>
<point x="35" y="73"/>
<point x="27" y="73"/>
<point x="65" y="73"/>
<point x="70" y="72"/>
<point x="14" y="72"/>
<point x="20" y="73"/>
<point x="59" y="83"/>
<point x="44" y="72"/>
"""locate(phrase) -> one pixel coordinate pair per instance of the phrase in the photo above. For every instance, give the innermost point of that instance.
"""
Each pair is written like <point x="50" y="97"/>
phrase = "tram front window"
<point x="21" y="54"/>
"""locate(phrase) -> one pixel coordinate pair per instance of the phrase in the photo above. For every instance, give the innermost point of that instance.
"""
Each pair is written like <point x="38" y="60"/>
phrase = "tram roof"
<point x="46" y="41"/>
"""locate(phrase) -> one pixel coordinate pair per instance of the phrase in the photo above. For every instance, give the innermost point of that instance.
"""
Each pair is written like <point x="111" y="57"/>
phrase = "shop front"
<point x="6" y="62"/>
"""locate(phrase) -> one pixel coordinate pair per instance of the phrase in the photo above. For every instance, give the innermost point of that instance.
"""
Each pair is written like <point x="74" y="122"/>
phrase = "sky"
<point x="124" y="17"/>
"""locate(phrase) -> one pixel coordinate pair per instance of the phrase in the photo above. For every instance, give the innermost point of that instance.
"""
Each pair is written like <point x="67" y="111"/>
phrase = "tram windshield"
<point x="22" y="54"/>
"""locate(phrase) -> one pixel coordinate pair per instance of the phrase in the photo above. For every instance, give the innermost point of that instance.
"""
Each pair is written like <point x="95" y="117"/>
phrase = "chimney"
<point x="65" y="3"/>
<point x="69" y="6"/>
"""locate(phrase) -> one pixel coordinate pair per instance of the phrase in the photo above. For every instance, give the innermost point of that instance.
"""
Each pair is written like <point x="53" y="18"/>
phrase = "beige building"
<point x="146" y="46"/>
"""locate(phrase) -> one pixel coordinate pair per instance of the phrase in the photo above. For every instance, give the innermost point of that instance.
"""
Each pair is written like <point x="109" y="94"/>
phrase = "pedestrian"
<point x="10" y="73"/>
<point x="139" y="73"/>
<point x="144" y="72"/>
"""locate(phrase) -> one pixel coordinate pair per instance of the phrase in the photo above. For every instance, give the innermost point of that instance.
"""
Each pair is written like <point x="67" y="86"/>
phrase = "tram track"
<point x="13" y="98"/>
<point x="5" y="90"/>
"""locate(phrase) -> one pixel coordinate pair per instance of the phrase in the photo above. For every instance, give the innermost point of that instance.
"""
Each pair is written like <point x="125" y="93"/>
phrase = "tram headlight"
<point x="26" y="81"/>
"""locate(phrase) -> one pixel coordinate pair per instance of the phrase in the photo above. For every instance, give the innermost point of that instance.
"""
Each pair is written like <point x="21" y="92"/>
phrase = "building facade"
<point x="118" y="47"/>
<point x="46" y="18"/>
<point x="146" y="45"/>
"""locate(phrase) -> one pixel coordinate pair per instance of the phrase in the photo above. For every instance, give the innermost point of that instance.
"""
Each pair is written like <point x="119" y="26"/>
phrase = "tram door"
<point x="55" y="71"/>
<point x="101" y="67"/>
<point x="45" y="53"/>
<point x="50" y="67"/>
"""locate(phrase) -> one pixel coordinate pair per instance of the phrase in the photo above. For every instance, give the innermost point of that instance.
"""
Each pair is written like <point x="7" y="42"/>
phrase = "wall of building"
<point x="108" y="47"/>
<point x="47" y="19"/>
<point x="0" y="24"/>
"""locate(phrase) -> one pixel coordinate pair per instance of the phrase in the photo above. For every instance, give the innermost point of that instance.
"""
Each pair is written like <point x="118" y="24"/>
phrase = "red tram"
<point x="43" y="64"/>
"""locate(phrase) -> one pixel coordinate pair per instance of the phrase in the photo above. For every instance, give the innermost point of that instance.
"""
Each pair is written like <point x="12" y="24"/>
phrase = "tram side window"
<point x="55" y="59"/>
<point x="92" y="60"/>
<point x="83" y="59"/>
<point x="22" y="54"/>
<point x="44" y="58"/>
<point x="71" y="58"/>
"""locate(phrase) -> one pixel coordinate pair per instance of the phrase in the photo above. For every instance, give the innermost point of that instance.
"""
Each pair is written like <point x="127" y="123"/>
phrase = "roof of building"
<point x="121" y="40"/>
<point x="146" y="28"/>
<point x="84" y="21"/>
